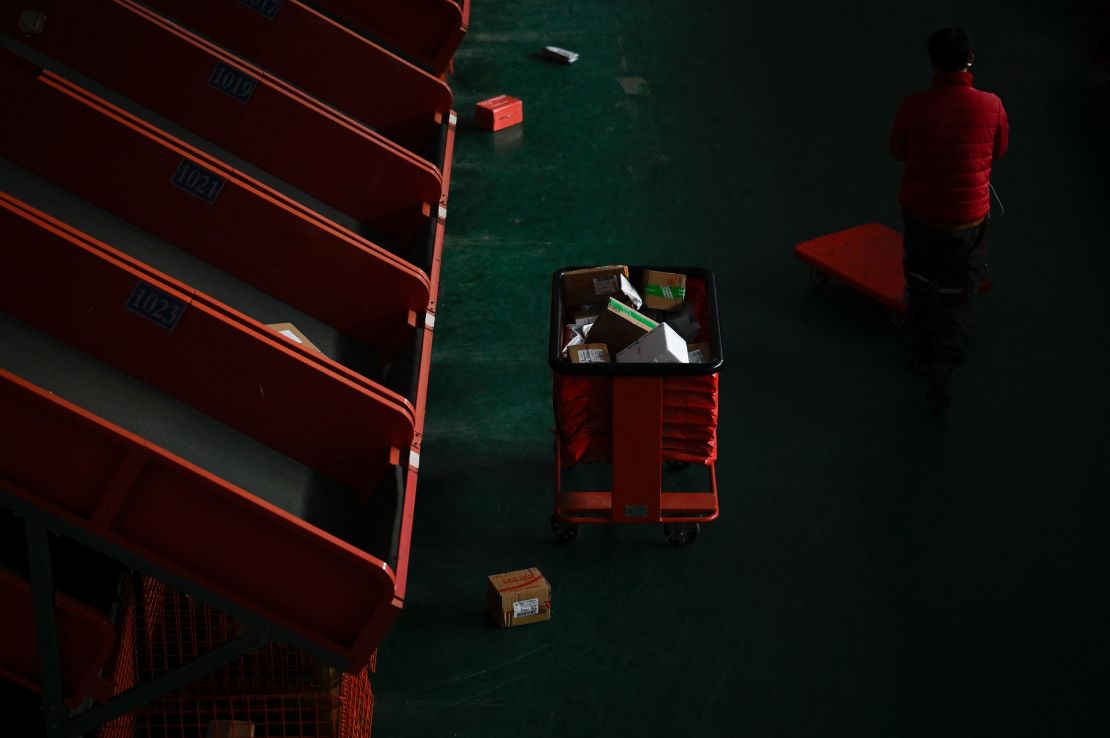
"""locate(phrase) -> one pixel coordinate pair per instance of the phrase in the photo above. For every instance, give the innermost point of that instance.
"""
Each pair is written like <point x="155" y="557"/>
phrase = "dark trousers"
<point x="942" y="270"/>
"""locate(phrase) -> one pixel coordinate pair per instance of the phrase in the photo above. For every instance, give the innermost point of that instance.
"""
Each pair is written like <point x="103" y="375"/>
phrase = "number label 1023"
<point x="157" y="306"/>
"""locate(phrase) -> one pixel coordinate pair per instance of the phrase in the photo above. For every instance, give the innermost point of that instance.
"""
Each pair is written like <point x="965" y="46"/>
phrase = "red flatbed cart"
<point x="637" y="417"/>
<point x="867" y="258"/>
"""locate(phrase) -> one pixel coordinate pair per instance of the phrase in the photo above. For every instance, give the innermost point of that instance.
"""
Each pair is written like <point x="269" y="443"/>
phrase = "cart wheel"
<point x="564" y="532"/>
<point x="681" y="534"/>
<point x="678" y="465"/>
<point x="818" y="278"/>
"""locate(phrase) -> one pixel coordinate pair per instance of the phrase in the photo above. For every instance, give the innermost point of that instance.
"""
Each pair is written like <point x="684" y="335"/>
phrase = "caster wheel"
<point x="681" y="534"/>
<point x="818" y="278"/>
<point x="678" y="465"/>
<point x="564" y="532"/>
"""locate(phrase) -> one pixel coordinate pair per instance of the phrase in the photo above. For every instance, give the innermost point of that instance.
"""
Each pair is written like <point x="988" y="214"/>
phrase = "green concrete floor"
<point x="875" y="571"/>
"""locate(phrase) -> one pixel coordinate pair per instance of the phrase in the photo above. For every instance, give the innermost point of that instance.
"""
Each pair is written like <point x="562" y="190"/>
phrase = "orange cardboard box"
<point x="290" y="331"/>
<point x="519" y="598"/>
<point x="499" y="112"/>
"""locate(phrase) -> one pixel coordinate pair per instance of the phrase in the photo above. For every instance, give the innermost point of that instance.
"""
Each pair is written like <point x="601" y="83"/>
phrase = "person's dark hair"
<point x="950" y="49"/>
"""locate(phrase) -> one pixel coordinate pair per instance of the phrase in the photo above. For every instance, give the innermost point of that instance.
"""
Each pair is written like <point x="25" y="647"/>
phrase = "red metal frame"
<point x="123" y="165"/>
<point x="318" y="411"/>
<point x="327" y="60"/>
<point x="637" y="461"/>
<point x="282" y="690"/>
<point x="85" y="635"/>
<point x="428" y="31"/>
<point x="169" y="70"/>
<point x="124" y="489"/>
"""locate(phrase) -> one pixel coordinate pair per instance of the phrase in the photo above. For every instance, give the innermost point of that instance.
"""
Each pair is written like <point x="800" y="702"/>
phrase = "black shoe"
<point x="939" y="397"/>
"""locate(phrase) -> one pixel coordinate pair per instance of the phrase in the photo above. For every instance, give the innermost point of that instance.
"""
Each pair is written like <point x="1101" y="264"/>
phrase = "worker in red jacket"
<point x="948" y="136"/>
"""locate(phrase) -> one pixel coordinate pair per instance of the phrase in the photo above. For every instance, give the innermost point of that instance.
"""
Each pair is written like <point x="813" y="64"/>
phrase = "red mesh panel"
<point x="280" y="690"/>
<point x="120" y="669"/>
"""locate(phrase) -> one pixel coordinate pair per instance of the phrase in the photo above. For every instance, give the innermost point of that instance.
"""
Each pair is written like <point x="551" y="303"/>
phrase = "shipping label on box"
<point x="664" y="290"/>
<point x="589" y="353"/>
<point x="586" y="286"/>
<point x="619" y="325"/>
<point x="661" y="346"/>
<point x="290" y="331"/>
<point x="519" y="598"/>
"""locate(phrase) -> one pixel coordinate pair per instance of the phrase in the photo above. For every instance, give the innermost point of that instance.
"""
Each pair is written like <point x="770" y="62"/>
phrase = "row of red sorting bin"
<point x="177" y="179"/>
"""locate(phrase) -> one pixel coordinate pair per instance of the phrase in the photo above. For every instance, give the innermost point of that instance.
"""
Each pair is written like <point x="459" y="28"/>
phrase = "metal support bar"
<point x="132" y="560"/>
<point x="46" y="628"/>
<point x="143" y="694"/>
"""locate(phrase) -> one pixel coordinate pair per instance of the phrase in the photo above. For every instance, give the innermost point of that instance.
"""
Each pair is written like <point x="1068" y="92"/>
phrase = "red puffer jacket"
<point x="949" y="136"/>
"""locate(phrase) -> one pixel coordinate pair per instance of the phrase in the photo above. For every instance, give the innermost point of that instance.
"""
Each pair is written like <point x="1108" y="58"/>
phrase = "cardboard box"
<point x="588" y="286"/>
<point x="290" y="331"/>
<point x="229" y="729"/>
<point x="699" y="353"/>
<point x="519" y="598"/>
<point x="619" y="325"/>
<point x="661" y="346"/>
<point x="590" y="353"/>
<point x="664" y="290"/>
<point x="499" y="112"/>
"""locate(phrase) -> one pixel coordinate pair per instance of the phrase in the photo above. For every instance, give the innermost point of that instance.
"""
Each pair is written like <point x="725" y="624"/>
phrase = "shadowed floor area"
<point x="875" y="571"/>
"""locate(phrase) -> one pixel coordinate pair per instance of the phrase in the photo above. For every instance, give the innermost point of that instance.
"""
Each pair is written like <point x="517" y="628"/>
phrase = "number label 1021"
<point x="198" y="181"/>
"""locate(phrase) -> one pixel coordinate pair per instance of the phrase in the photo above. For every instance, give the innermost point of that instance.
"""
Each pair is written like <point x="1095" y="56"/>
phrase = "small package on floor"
<point x="661" y="346"/>
<point x="664" y="290"/>
<point x="560" y="55"/>
<point x="589" y="353"/>
<point x="290" y="331"/>
<point x="499" y="112"/>
<point x="596" y="285"/>
<point x="619" y="325"/>
<point x="699" y="353"/>
<point x="519" y="597"/>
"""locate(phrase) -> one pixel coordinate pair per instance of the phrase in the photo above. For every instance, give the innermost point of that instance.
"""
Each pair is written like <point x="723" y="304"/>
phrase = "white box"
<point x="661" y="346"/>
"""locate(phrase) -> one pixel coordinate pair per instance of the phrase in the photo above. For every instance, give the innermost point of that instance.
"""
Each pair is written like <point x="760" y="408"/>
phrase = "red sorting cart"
<point x="637" y="417"/>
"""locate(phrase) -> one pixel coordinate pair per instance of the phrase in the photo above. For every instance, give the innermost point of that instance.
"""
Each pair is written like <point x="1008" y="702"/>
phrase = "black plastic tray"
<point x="564" y="366"/>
